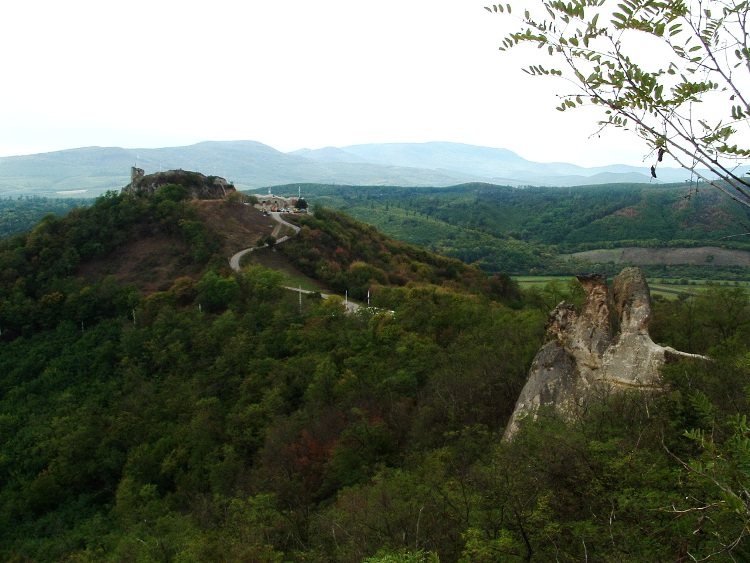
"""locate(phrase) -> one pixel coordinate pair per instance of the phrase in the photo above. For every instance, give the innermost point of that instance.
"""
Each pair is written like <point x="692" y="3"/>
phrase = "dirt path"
<point x="350" y="306"/>
<point x="234" y="261"/>
<point x="280" y="227"/>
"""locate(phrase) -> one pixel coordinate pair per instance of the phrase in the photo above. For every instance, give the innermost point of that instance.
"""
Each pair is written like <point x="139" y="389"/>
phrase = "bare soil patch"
<point x="154" y="261"/>
<point x="705" y="255"/>
<point x="240" y="225"/>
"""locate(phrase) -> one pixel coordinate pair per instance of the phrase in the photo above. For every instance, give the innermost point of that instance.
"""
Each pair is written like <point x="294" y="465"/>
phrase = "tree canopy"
<point x="219" y="417"/>
<point x="676" y="72"/>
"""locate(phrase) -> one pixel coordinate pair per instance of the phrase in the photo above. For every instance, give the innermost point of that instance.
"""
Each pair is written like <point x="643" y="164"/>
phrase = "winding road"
<point x="234" y="261"/>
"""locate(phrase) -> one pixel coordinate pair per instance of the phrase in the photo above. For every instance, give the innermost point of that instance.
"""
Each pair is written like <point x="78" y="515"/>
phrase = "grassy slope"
<point x="270" y="258"/>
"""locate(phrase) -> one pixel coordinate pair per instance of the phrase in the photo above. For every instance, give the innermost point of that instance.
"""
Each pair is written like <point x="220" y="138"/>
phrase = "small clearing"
<point x="705" y="255"/>
<point x="153" y="261"/>
<point x="274" y="260"/>
<point x="240" y="225"/>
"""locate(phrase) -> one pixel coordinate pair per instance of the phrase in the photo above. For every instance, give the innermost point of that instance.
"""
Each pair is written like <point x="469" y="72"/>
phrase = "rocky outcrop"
<point x="603" y="348"/>
<point x="200" y="186"/>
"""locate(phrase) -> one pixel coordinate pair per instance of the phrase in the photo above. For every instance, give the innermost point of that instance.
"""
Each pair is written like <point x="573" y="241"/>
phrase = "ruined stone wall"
<point x="199" y="186"/>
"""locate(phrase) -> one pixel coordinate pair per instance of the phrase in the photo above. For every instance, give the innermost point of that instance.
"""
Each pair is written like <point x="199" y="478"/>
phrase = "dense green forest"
<point x="22" y="213"/>
<point x="525" y="230"/>
<point x="223" y="419"/>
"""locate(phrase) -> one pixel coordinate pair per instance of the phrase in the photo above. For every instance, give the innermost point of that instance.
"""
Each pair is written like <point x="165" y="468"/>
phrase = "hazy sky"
<point x="291" y="74"/>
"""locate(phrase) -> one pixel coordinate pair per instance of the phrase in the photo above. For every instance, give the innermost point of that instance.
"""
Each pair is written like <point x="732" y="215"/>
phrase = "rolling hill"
<point x="91" y="171"/>
<point x="157" y="405"/>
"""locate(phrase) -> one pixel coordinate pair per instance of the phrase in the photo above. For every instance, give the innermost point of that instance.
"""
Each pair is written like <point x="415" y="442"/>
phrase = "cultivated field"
<point x="670" y="288"/>
<point x="705" y="255"/>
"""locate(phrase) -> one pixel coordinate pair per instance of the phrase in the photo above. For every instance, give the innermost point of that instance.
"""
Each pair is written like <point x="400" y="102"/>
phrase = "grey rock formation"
<point x="200" y="186"/>
<point x="603" y="348"/>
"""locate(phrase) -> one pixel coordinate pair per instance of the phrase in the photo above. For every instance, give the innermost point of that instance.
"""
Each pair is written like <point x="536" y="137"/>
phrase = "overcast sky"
<point x="291" y="74"/>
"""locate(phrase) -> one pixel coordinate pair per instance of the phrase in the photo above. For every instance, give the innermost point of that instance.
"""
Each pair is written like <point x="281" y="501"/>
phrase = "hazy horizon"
<point x="293" y="75"/>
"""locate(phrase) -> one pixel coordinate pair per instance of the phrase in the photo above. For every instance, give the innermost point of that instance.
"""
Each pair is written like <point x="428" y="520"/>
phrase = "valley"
<point x="559" y="232"/>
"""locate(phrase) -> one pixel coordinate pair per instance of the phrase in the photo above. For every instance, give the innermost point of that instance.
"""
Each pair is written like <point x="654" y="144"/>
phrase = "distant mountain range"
<point x="90" y="171"/>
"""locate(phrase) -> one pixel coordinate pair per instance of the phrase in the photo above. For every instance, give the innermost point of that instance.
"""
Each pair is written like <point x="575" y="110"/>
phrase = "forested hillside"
<point x="506" y="230"/>
<point x="518" y="231"/>
<point x="20" y="214"/>
<point x="352" y="256"/>
<point x="216" y="417"/>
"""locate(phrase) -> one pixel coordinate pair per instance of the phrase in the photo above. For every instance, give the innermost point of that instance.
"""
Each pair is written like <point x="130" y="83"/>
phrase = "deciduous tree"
<point x="675" y="71"/>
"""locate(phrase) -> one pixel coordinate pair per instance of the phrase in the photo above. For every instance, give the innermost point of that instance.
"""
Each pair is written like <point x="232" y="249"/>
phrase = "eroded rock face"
<point x="603" y="348"/>
<point x="200" y="186"/>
